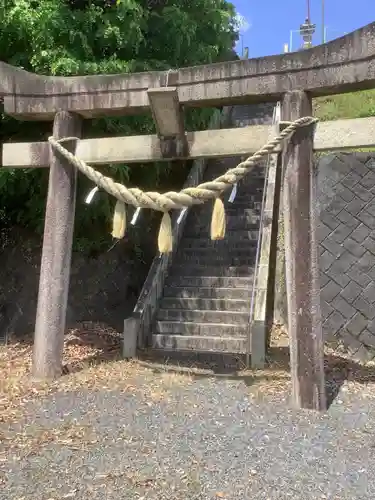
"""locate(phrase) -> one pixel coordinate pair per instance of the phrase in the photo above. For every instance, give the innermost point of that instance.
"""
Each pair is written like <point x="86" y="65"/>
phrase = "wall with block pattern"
<point x="346" y="235"/>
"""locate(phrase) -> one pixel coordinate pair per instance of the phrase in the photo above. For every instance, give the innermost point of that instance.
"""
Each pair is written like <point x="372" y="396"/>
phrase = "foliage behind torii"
<point x="78" y="37"/>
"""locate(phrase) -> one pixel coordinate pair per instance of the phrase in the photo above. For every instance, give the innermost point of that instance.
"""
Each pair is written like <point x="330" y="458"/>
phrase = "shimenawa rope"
<point x="164" y="202"/>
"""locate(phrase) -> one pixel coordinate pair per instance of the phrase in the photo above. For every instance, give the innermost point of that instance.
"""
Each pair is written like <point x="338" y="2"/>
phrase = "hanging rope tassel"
<point x="165" y="239"/>
<point x="119" y="220"/>
<point x="218" y="221"/>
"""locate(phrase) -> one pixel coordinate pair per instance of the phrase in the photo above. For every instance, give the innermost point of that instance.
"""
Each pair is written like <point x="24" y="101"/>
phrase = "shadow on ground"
<point x="84" y="348"/>
<point x="338" y="369"/>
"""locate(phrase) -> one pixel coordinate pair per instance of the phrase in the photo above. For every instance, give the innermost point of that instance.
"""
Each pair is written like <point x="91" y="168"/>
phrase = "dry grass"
<point x="32" y="438"/>
<point x="93" y="368"/>
<point x="97" y="366"/>
<point x="18" y="389"/>
<point x="340" y="369"/>
<point x="273" y="382"/>
<point x="351" y="105"/>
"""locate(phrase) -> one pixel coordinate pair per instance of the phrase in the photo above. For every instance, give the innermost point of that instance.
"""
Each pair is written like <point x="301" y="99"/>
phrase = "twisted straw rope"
<point x="188" y="196"/>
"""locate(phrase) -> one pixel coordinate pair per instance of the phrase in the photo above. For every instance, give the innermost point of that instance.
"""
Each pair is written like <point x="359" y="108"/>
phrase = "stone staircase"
<point x="196" y="303"/>
<point x="207" y="294"/>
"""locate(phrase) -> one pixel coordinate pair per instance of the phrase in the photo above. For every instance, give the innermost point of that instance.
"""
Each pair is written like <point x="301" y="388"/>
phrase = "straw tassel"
<point x="165" y="239"/>
<point x="218" y="221"/>
<point x="119" y="220"/>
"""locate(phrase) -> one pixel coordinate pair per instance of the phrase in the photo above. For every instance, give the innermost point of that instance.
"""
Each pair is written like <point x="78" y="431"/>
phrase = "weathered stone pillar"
<point x="56" y="254"/>
<point x="301" y="259"/>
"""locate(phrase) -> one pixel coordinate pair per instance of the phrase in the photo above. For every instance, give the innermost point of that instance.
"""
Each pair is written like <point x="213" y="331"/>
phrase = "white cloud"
<point x="242" y="24"/>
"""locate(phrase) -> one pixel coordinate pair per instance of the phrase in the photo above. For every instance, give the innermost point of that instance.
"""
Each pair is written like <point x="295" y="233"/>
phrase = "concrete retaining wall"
<point x="346" y="234"/>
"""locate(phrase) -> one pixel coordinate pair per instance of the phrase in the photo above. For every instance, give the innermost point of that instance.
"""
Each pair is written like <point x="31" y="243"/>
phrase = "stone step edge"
<point x="239" y="313"/>
<point x="212" y="299"/>
<point x="235" y="326"/>
<point x="198" y="287"/>
<point x="172" y="342"/>
<point x="205" y="292"/>
<point x="189" y="276"/>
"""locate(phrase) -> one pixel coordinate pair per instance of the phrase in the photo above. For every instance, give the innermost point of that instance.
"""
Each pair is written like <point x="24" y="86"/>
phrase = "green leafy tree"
<point x="78" y="37"/>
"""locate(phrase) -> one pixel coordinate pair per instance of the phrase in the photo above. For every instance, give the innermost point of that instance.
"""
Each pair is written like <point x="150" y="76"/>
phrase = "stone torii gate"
<point x="346" y="64"/>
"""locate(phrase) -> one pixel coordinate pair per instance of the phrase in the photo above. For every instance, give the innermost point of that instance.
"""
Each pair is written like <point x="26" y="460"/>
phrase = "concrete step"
<point x="252" y="188"/>
<point x="198" y="292"/>
<point x="209" y="304"/>
<point x="202" y="316"/>
<point x="252" y="181"/>
<point x="243" y="202"/>
<point x="240" y="205"/>
<point x="252" y="208"/>
<point x="233" y="218"/>
<point x="250" y="197"/>
<point x="232" y="223"/>
<point x="202" y="344"/>
<point x="210" y="362"/>
<point x="255" y="177"/>
<point x="246" y="213"/>
<point x="202" y="270"/>
<point x="253" y="197"/>
<point x="200" y="329"/>
<point x="232" y="236"/>
<point x="250" y="194"/>
<point x="187" y="281"/>
<point x="207" y="259"/>
<point x="197" y="243"/>
<point x="220" y="252"/>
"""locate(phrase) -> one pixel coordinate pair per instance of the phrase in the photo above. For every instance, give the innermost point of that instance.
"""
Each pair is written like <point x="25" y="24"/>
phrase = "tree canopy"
<point x="77" y="37"/>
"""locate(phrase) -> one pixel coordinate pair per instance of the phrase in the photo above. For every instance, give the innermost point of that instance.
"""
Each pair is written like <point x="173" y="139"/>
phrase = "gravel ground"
<point x="204" y="438"/>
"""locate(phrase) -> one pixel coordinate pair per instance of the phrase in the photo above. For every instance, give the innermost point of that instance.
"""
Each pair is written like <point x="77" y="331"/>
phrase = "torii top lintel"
<point x="345" y="64"/>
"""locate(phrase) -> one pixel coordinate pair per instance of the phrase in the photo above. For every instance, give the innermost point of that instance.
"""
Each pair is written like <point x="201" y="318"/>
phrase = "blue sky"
<point x="270" y="21"/>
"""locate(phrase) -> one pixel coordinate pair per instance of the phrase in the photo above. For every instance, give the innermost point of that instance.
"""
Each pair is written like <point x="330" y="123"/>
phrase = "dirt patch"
<point x="93" y="358"/>
<point x="92" y="361"/>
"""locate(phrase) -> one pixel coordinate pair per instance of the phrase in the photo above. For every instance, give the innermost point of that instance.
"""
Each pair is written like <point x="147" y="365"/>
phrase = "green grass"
<point x="353" y="105"/>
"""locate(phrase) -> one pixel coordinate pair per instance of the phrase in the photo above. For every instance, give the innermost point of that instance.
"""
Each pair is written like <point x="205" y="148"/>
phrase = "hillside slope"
<point x="352" y="105"/>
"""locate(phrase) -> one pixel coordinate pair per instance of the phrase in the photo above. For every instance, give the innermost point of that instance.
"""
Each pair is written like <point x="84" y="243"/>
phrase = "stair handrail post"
<point x="259" y="316"/>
